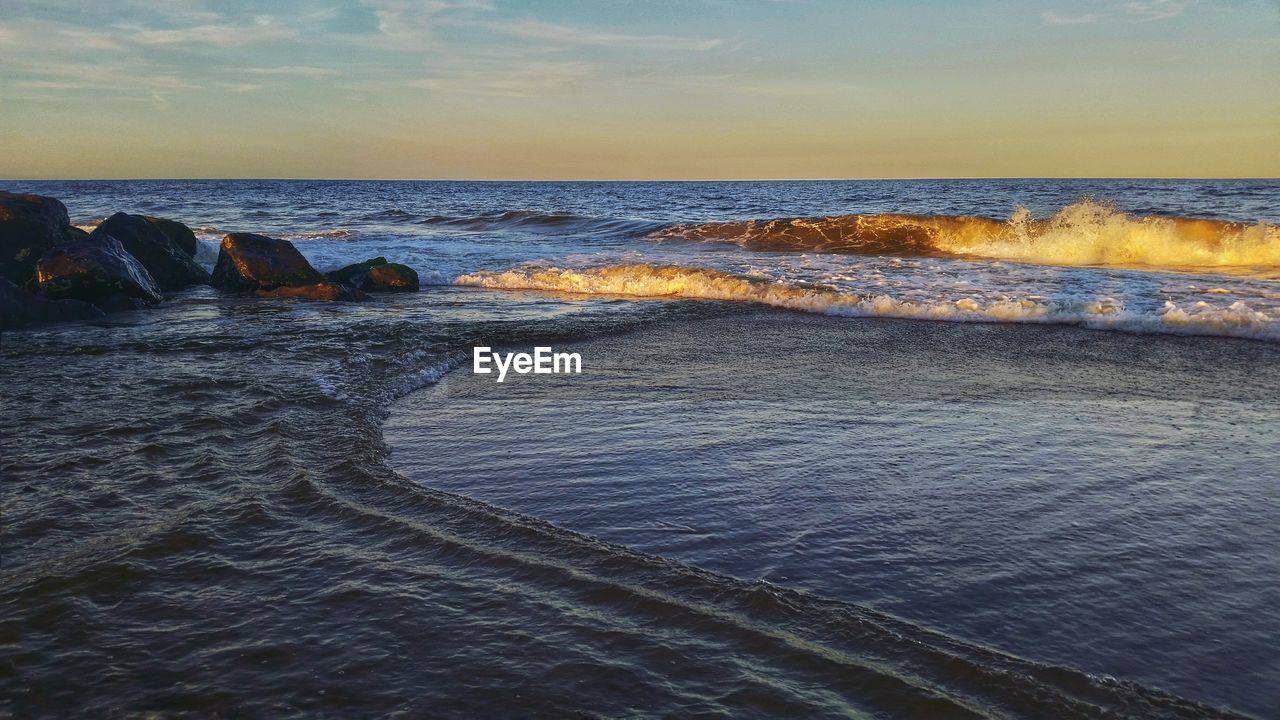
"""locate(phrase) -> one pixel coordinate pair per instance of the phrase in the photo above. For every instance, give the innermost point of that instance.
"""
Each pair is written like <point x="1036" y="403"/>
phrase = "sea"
<point x="894" y="448"/>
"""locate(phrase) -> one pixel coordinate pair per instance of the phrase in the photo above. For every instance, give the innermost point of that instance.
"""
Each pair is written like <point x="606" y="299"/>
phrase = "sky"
<point x="639" y="89"/>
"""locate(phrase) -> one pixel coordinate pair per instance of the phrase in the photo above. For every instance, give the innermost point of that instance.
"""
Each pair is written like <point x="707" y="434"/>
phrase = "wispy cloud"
<point x="744" y="84"/>
<point x="518" y="80"/>
<point x="260" y="29"/>
<point x="412" y="21"/>
<point x="1156" y="9"/>
<point x="101" y="76"/>
<point x="1052" y="17"/>
<point x="564" y="34"/>
<point x="1138" y="11"/>
<point x="238" y="87"/>
<point x="294" y="70"/>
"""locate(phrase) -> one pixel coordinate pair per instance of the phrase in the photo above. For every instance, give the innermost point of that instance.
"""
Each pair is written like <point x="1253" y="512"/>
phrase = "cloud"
<point x="411" y="21"/>
<point x="262" y="28"/>
<point x="519" y="80"/>
<point x="1051" y="17"/>
<point x="294" y="70"/>
<point x="238" y="87"/>
<point x="548" y="32"/>
<point x="101" y="76"/>
<point x="1156" y="9"/>
<point x="746" y="84"/>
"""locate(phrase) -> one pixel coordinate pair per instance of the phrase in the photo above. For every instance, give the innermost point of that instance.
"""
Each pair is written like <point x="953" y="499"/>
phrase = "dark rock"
<point x="29" y="226"/>
<point x="318" y="291"/>
<point x="94" y="271"/>
<point x="353" y="274"/>
<point x="180" y="234"/>
<point x="392" y="277"/>
<point x="255" y="262"/>
<point x="171" y="266"/>
<point x="377" y="275"/>
<point x="21" y="309"/>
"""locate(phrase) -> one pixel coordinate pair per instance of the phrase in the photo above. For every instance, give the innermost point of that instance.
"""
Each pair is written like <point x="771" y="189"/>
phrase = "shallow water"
<point x="198" y="514"/>
<point x="1092" y="500"/>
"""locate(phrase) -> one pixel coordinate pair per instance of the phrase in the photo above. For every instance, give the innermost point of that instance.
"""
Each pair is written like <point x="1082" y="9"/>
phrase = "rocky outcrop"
<point x="377" y="275"/>
<point x="96" y="271"/>
<point x="172" y="267"/>
<point x="180" y="234"/>
<point x="273" y="268"/>
<point x="29" y="226"/>
<point x="256" y="262"/>
<point x="21" y="309"/>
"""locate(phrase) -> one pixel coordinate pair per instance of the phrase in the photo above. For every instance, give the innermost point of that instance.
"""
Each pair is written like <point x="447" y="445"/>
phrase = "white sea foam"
<point x="207" y="251"/>
<point x="676" y="281"/>
<point x="1092" y="233"/>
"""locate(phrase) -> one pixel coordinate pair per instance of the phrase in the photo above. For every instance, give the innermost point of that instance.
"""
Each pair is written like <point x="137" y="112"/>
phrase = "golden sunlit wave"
<point x="1083" y="233"/>
<point x="678" y="281"/>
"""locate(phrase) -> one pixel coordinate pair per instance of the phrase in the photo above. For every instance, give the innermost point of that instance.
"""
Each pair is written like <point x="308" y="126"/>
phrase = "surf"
<point x="643" y="280"/>
<point x="1084" y="233"/>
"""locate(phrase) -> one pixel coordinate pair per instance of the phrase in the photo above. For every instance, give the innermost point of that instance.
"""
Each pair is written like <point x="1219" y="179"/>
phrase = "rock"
<point x="29" y="226"/>
<point x="392" y="277"/>
<point x="21" y="309"/>
<point x="180" y="234"/>
<point x="377" y="275"/>
<point x="318" y="291"/>
<point x="255" y="262"/>
<point x="94" y="271"/>
<point x="171" y="266"/>
<point x="352" y="274"/>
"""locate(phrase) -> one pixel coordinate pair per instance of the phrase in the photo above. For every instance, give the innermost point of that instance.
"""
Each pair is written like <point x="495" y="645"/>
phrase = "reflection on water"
<point x="1099" y="501"/>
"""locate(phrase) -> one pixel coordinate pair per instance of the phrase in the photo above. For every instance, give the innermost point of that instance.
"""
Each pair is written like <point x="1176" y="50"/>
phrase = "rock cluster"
<point x="51" y="271"/>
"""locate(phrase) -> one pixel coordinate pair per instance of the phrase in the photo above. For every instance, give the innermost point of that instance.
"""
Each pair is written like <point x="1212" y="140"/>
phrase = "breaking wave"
<point x="678" y="281"/>
<point x="1083" y="233"/>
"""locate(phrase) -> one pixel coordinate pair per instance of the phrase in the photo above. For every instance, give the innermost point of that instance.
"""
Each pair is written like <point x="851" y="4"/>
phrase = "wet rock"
<point x="392" y="277"/>
<point x="21" y="309"/>
<point x="94" y="271"/>
<point x="273" y="268"/>
<point x="171" y="266"/>
<point x="256" y="262"/>
<point x="354" y="273"/>
<point x="29" y="226"/>
<point x="318" y="291"/>
<point x="377" y="275"/>
<point x="180" y="234"/>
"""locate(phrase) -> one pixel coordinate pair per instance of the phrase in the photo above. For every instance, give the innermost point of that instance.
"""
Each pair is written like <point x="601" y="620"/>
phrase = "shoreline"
<point x="214" y="466"/>
<point x="514" y="446"/>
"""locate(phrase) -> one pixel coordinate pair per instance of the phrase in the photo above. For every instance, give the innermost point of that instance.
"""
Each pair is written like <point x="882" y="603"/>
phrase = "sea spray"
<point x="1086" y="232"/>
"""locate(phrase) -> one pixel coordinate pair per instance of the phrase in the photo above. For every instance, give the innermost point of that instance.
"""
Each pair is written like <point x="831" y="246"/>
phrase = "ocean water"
<point x="1057" y="499"/>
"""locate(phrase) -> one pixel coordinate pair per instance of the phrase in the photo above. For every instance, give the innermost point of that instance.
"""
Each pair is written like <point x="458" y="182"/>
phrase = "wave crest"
<point x="678" y="281"/>
<point x="1083" y="233"/>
